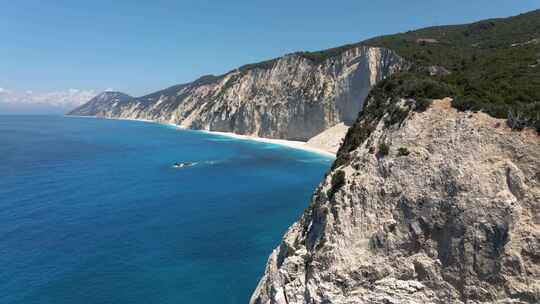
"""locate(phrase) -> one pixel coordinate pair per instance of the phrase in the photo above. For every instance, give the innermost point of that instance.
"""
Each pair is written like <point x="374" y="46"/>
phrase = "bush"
<point x="402" y="151"/>
<point x="338" y="181"/>
<point x="384" y="149"/>
<point x="517" y="120"/>
<point x="422" y="104"/>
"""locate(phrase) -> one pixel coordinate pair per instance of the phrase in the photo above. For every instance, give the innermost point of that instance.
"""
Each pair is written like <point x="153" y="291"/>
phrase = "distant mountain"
<point x="103" y="101"/>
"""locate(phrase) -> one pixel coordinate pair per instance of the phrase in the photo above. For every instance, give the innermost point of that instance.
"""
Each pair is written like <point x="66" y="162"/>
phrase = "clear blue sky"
<point x="142" y="46"/>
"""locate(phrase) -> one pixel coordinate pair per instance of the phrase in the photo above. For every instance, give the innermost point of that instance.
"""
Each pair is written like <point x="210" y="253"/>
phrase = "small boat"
<point x="182" y="165"/>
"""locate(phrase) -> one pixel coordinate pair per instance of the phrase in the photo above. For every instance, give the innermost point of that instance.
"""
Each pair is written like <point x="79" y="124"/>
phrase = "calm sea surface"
<point x="91" y="211"/>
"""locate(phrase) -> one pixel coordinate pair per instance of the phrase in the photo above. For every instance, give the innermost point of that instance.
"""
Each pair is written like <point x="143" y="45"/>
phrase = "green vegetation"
<point x="494" y="67"/>
<point x="494" y="64"/>
<point x="402" y="151"/>
<point x="338" y="181"/>
<point x="384" y="149"/>
<point x="320" y="56"/>
<point x="264" y="65"/>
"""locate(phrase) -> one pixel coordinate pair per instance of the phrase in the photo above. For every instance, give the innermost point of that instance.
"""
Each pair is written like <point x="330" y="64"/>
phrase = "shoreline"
<point x="298" y="145"/>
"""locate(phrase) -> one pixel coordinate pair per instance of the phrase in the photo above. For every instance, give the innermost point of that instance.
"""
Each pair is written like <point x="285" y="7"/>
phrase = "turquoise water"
<point x="91" y="211"/>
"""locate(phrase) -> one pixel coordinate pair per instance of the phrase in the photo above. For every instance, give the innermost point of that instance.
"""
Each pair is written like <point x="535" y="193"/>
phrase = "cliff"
<point x="291" y="97"/>
<point x="439" y="206"/>
<point x="430" y="199"/>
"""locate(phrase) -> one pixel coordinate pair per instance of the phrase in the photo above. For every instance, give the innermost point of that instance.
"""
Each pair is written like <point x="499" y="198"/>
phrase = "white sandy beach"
<point x="301" y="145"/>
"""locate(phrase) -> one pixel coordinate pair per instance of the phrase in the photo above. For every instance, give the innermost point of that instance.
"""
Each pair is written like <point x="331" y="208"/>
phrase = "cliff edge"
<point x="440" y="206"/>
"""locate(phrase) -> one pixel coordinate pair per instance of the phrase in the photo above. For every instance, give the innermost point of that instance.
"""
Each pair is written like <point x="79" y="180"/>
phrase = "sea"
<point x="94" y="211"/>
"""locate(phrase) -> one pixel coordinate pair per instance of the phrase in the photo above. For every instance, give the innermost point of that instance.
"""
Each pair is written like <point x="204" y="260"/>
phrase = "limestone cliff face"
<point x="295" y="98"/>
<point x="449" y="214"/>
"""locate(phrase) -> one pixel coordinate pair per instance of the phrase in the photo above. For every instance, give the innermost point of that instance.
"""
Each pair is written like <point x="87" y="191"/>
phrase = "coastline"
<point x="299" y="145"/>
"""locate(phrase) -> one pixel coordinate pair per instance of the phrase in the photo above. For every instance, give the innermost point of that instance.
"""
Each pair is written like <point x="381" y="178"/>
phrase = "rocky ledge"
<point x="441" y="208"/>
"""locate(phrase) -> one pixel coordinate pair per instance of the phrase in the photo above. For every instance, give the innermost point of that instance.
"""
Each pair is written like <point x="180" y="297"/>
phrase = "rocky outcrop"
<point x="293" y="97"/>
<point x="443" y="207"/>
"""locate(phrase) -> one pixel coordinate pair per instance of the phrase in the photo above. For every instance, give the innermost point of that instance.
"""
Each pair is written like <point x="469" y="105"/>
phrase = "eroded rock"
<point x="454" y="221"/>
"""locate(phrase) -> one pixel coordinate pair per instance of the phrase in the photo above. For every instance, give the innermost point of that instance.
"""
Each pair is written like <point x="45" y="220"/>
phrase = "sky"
<point x="65" y="51"/>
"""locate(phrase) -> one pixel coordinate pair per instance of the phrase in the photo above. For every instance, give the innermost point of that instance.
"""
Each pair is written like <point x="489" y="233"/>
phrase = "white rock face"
<point x="294" y="99"/>
<point x="452" y="217"/>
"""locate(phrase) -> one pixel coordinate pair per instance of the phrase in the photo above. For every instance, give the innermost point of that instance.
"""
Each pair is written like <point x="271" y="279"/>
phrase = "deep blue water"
<point x="91" y="211"/>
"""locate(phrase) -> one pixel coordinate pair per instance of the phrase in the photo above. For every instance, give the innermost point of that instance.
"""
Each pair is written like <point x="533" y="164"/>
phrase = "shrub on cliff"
<point x="384" y="149"/>
<point x="338" y="181"/>
<point x="402" y="151"/>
